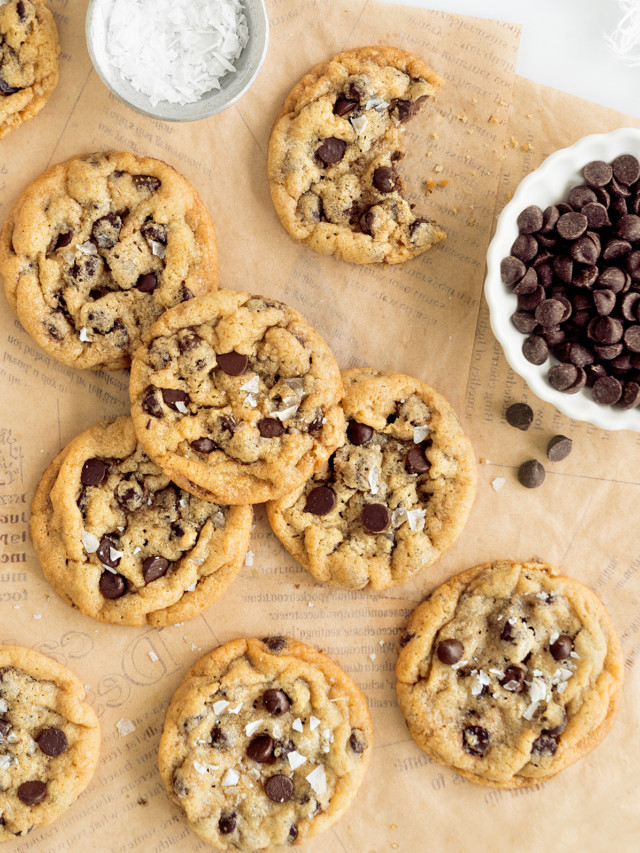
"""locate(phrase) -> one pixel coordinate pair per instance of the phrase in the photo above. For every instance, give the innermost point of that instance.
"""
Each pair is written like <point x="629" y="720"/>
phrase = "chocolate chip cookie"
<point x="29" y="53"/>
<point x="49" y="740"/>
<point x="97" y="248"/>
<point x="334" y="151"/>
<point x="265" y="744"/>
<point x="122" y="543"/>
<point x="393" y="496"/>
<point x="236" y="397"/>
<point x="509" y="672"/>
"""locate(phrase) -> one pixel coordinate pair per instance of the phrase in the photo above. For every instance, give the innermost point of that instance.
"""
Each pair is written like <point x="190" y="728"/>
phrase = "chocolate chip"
<point x="607" y="390"/>
<point x="227" y="823"/>
<point x="112" y="586"/>
<point x="93" y="472"/>
<point x="320" y="500"/>
<point x="528" y="283"/>
<point x="343" y="106"/>
<point x="524" y="248"/>
<point x="531" y="474"/>
<point x="33" y="792"/>
<point x="203" y="445"/>
<point x="63" y="239"/>
<point x="232" y="363"/>
<point x="154" y="231"/>
<point x="562" y="376"/>
<point x="22" y="14"/>
<point x="415" y="461"/>
<point x="580" y="196"/>
<point x="147" y="283"/>
<point x="549" y="312"/>
<point x="561" y="648"/>
<point x="597" y="173"/>
<point x="357" y="745"/>
<point x="571" y="225"/>
<point x="52" y="741"/>
<point x="293" y="833"/>
<point x="558" y="448"/>
<point x="507" y="633"/>
<point x="376" y="517"/>
<point x="626" y="169"/>
<point x="147" y="182"/>
<point x="630" y="396"/>
<point x="154" y="568"/>
<point x="513" y="680"/>
<point x="106" y="231"/>
<point x="174" y="396"/>
<point x="615" y="249"/>
<point x="597" y="216"/>
<point x="103" y="553"/>
<point x="6" y="89"/>
<point x="358" y="433"/>
<point x="189" y="342"/>
<point x="331" y="150"/>
<point x="585" y="251"/>
<point x="261" y="749"/>
<point x="530" y="220"/>
<point x="384" y="179"/>
<point x="544" y="743"/>
<point x="278" y="788"/>
<point x="524" y="322"/>
<point x="604" y="302"/>
<point x="270" y="427"/>
<point x="276" y="702"/>
<point x="535" y="349"/>
<point x="628" y="227"/>
<point x="511" y="270"/>
<point x="275" y="644"/>
<point x="475" y="740"/>
<point x="519" y="415"/>
<point x="450" y="651"/>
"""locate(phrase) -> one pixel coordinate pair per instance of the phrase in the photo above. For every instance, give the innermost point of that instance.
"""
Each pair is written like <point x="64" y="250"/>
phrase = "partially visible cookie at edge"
<point x="29" y="53"/>
<point x="393" y="497"/>
<point x="509" y="672"/>
<point x="122" y="543"/>
<point x="49" y="740"/>
<point x="96" y="248"/>
<point x="265" y="744"/>
<point x="236" y="397"/>
<point x="333" y="156"/>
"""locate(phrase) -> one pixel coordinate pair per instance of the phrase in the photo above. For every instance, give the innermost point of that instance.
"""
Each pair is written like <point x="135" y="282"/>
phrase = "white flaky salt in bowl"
<point x="177" y="60"/>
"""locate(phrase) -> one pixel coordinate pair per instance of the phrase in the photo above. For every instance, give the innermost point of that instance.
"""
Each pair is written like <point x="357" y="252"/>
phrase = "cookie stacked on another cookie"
<point x="509" y="673"/>
<point x="265" y="744"/>
<point x="29" y="52"/>
<point x="49" y="740"/>
<point x="394" y="495"/>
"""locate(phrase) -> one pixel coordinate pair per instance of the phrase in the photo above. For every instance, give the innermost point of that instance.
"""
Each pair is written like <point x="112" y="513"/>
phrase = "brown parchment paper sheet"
<point x="425" y="318"/>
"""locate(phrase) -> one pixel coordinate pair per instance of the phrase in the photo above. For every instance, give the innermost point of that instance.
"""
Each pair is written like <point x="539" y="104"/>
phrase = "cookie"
<point x="333" y="157"/>
<point x="97" y="248"/>
<point x="265" y="744"/>
<point x="236" y="397"/>
<point x="29" y="53"/>
<point x="509" y="673"/>
<point x="49" y="740"/>
<point x="393" y="496"/>
<point x="122" y="543"/>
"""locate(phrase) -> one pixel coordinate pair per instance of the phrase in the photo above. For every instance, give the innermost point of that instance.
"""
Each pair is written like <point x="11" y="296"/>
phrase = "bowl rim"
<point x="253" y="9"/>
<point x="548" y="184"/>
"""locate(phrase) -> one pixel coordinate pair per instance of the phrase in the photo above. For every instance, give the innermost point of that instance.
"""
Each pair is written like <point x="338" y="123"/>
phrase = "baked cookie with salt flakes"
<point x="509" y="672"/>
<point x="394" y="495"/>
<point x="29" y="53"/>
<point x="122" y="543"/>
<point x="236" y="397"/>
<point x="97" y="248"/>
<point x="334" y="152"/>
<point x="49" y="741"/>
<point x="265" y="744"/>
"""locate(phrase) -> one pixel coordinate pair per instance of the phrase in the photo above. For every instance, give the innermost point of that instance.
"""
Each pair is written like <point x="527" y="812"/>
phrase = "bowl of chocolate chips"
<point x="563" y="280"/>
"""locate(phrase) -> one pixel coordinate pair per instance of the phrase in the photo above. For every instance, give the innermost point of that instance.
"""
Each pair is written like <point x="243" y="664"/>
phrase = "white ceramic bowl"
<point x="232" y="85"/>
<point x="550" y="184"/>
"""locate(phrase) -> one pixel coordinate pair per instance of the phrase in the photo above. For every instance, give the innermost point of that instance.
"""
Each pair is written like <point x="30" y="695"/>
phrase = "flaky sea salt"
<point x="318" y="780"/>
<point x="415" y="516"/>
<point x="91" y="543"/>
<point x="252" y="728"/>
<point x="420" y="433"/>
<point x="125" y="727"/>
<point x="230" y="778"/>
<point x="297" y="725"/>
<point x="359" y="124"/>
<point x="218" y="707"/>
<point x="296" y="760"/>
<point x="248" y="559"/>
<point x="175" y="50"/>
<point x="84" y="336"/>
<point x="314" y="722"/>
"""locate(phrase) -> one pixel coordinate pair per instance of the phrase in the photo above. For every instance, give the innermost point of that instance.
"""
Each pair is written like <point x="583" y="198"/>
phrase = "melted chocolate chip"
<point x="405" y="638"/>
<point x="63" y="239"/>
<point x="357" y="745"/>
<point x="203" y="445"/>
<point x="5" y="729"/>
<point x="6" y="89"/>
<point x="147" y="182"/>
<point x="93" y="472"/>
<point x="513" y="680"/>
<point x="173" y="396"/>
<point x="544" y="743"/>
<point x="376" y="517"/>
<point x="276" y="702"/>
<point x="331" y="150"/>
<point x="344" y="106"/>
<point x="147" y="283"/>
<point x="556" y="730"/>
<point x="33" y="792"/>
<point x="507" y="633"/>
<point x="450" y="651"/>
<point x="218" y="737"/>
<point x="227" y="823"/>
<point x="270" y="427"/>
<point x="106" y="231"/>
<point x="232" y="363"/>
<point x="475" y="740"/>
<point x="358" y="433"/>
<point x="52" y="741"/>
<point x="112" y="586"/>
<point x="188" y="342"/>
<point x="154" y="568"/>
<point x="562" y="648"/>
<point x="129" y="494"/>
<point x="151" y="403"/>
<point x="293" y="833"/>
<point x="278" y="788"/>
<point x="320" y="501"/>
<point x="261" y="749"/>
<point x="103" y="552"/>
<point x="276" y="644"/>
<point x="416" y="462"/>
<point x="384" y="179"/>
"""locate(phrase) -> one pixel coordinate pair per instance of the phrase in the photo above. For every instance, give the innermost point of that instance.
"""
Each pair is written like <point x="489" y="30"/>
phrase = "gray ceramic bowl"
<point x="233" y="85"/>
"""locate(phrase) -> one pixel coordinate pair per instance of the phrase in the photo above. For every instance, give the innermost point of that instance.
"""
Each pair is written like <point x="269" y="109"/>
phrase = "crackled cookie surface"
<point x="334" y="151"/>
<point x="395" y="494"/>
<point x="28" y="61"/>
<point x="509" y="673"/>
<point x="236" y="397"/>
<point x="122" y="543"/>
<point x="264" y="745"/>
<point x="97" y="248"/>
<point x="49" y="740"/>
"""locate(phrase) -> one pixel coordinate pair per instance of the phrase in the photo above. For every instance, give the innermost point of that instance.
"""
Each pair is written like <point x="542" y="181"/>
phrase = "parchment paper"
<point x="425" y="318"/>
